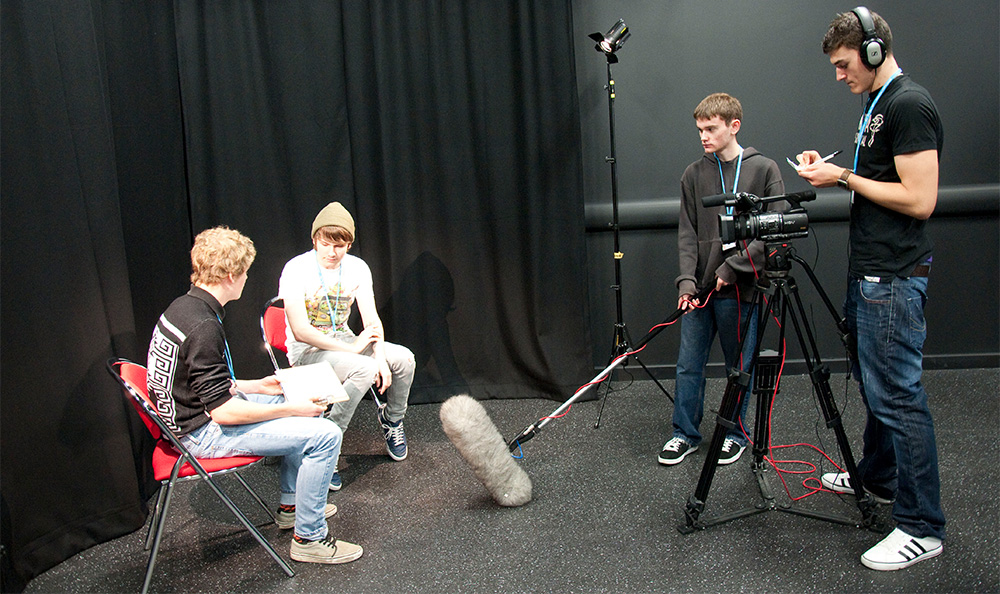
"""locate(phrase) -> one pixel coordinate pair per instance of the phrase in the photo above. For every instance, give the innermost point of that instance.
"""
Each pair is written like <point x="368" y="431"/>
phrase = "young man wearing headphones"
<point x="893" y="182"/>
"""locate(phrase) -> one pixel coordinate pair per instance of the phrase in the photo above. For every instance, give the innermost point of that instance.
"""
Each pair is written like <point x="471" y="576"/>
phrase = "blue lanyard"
<point x="326" y="292"/>
<point x="736" y="181"/>
<point x="229" y="357"/>
<point x="867" y="116"/>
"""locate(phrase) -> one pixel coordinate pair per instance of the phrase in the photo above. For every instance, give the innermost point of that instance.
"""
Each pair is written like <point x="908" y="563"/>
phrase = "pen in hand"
<point x="796" y="166"/>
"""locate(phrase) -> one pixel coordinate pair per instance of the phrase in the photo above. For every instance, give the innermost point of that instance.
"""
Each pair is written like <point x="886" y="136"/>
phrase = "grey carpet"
<point x="604" y="513"/>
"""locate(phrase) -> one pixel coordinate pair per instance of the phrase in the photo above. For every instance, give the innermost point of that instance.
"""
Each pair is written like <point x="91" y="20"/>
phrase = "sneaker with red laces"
<point x="899" y="550"/>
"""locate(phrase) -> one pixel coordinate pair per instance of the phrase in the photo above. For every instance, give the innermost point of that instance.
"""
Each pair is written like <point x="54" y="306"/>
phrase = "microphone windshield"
<point x="477" y="439"/>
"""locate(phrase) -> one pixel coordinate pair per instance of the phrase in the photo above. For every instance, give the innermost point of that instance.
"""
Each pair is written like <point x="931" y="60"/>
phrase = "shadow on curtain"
<point x="451" y="131"/>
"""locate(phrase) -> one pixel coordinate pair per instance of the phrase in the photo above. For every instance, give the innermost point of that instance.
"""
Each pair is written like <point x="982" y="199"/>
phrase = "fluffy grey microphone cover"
<point x="477" y="439"/>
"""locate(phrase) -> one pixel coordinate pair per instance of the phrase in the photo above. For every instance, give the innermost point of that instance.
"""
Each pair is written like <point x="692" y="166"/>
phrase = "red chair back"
<point x="272" y="328"/>
<point x="135" y="377"/>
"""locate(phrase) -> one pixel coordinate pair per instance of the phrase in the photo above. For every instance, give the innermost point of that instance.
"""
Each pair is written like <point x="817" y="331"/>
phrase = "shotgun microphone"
<point x="479" y="442"/>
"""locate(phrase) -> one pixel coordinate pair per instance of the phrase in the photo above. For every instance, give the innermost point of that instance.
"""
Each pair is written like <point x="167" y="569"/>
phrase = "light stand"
<point x="608" y="44"/>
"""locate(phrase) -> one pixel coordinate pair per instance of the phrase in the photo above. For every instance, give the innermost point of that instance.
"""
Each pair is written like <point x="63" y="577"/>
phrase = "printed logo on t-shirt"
<point x="874" y="126"/>
<point x="319" y="305"/>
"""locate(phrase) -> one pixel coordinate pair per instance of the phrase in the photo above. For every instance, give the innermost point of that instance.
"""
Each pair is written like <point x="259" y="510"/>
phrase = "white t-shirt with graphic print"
<point x="333" y="292"/>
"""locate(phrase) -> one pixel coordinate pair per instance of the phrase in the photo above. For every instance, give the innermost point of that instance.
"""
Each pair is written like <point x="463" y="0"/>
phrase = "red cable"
<point x="605" y="376"/>
<point x="770" y="446"/>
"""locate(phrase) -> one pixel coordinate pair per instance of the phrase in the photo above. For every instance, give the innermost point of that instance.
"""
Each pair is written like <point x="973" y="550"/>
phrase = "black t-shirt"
<point x="905" y="120"/>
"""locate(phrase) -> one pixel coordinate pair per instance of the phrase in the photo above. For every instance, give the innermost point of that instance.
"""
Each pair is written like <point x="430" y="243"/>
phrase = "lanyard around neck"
<point x="867" y="116"/>
<point x="326" y="292"/>
<point x="736" y="180"/>
<point x="229" y="357"/>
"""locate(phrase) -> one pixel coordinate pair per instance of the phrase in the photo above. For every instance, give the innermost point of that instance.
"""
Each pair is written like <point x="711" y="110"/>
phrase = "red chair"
<point x="272" y="330"/>
<point x="173" y="463"/>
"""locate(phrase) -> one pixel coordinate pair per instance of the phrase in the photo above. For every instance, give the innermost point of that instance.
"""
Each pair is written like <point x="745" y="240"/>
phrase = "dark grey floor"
<point x="604" y="513"/>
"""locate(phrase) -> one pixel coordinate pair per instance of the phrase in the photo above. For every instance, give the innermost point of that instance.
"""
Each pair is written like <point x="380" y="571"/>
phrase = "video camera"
<point x="749" y="220"/>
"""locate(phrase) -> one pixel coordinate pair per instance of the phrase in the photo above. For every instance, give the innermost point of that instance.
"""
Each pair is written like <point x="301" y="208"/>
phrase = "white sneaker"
<point x="900" y="550"/>
<point x="840" y="482"/>
<point x="285" y="520"/>
<point x="327" y="550"/>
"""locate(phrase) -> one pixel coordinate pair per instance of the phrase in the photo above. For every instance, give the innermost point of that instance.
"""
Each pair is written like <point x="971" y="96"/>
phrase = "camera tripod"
<point x="776" y="294"/>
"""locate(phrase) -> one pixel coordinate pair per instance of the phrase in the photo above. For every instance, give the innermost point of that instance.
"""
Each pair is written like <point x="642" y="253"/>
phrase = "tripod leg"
<point x="736" y="389"/>
<point x="622" y="342"/>
<point x="766" y="374"/>
<point x="820" y="376"/>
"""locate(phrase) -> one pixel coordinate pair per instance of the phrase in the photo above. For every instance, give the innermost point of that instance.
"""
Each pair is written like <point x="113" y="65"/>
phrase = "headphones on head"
<point x="872" y="48"/>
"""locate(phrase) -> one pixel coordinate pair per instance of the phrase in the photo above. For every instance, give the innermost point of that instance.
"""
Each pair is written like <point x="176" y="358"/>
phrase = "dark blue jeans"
<point x="698" y="329"/>
<point x="900" y="452"/>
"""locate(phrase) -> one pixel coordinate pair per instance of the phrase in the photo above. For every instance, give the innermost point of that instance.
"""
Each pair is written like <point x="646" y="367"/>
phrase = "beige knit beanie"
<point x="334" y="214"/>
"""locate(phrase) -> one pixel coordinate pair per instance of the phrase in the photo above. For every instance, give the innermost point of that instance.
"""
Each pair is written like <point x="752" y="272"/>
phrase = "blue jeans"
<point x="309" y="447"/>
<point x="900" y="451"/>
<point x="724" y="317"/>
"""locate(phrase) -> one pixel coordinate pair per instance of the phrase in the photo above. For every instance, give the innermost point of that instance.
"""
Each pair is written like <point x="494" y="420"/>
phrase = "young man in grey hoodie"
<point x="732" y="269"/>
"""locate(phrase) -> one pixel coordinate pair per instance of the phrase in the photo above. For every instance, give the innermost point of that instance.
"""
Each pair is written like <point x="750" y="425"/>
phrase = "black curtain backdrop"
<point x="449" y="129"/>
<point x="70" y="452"/>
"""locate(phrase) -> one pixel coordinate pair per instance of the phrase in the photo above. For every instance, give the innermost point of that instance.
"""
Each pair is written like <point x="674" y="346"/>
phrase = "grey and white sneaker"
<point x="286" y="519"/>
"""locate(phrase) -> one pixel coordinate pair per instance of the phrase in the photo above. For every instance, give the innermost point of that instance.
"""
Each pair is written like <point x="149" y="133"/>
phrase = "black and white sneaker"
<point x="731" y="451"/>
<point x="899" y="550"/>
<point x="674" y="451"/>
<point x="840" y="482"/>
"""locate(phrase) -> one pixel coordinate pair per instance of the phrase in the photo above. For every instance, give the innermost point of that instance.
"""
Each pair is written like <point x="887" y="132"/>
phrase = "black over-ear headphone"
<point x="872" y="48"/>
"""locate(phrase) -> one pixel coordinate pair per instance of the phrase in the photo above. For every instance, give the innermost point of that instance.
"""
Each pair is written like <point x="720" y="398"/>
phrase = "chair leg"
<point x="374" y="393"/>
<point x="249" y="526"/>
<point x="160" y="520"/>
<point x="255" y="496"/>
<point x="154" y="518"/>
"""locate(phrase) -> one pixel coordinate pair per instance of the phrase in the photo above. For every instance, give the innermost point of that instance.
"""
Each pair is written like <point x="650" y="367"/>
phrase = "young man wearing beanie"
<point x="318" y="288"/>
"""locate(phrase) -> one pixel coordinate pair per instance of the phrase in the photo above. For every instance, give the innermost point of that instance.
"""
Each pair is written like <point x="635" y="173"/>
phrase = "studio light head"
<point x="613" y="40"/>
